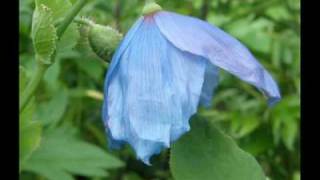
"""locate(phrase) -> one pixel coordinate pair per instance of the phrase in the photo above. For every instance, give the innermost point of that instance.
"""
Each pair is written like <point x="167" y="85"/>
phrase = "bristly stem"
<point x="41" y="66"/>
<point x="70" y="16"/>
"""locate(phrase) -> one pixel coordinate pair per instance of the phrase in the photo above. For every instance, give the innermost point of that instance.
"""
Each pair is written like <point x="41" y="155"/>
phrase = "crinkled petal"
<point x="114" y="62"/>
<point x="154" y="90"/>
<point x="200" y="38"/>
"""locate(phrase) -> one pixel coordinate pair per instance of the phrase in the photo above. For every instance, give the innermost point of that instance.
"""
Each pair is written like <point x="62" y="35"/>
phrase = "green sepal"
<point x="43" y="34"/>
<point x="151" y="7"/>
<point x="103" y="40"/>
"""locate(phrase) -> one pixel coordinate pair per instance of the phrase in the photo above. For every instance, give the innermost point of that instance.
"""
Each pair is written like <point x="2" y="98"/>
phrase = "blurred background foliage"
<point x="66" y="138"/>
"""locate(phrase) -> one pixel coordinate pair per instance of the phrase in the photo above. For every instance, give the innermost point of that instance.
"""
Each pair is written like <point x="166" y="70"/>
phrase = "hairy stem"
<point x="70" y="16"/>
<point x="42" y="67"/>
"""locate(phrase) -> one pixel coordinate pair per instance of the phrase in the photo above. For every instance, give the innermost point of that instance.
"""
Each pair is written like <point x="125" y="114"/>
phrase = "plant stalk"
<point x="70" y="16"/>
<point x="33" y="84"/>
<point x="42" y="67"/>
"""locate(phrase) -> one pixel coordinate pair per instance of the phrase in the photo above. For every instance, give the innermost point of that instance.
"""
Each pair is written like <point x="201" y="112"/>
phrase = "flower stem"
<point x="32" y="86"/>
<point x="42" y="67"/>
<point x="70" y="16"/>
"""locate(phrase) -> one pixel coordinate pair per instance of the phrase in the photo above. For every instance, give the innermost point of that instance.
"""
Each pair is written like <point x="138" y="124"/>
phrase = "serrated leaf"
<point x="59" y="8"/>
<point x="206" y="153"/>
<point x="43" y="33"/>
<point x="62" y="153"/>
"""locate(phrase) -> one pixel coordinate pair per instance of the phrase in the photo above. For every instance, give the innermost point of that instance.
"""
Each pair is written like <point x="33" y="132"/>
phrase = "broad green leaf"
<point x="206" y="153"/>
<point x="29" y="133"/>
<point x="43" y="33"/>
<point x="64" y="154"/>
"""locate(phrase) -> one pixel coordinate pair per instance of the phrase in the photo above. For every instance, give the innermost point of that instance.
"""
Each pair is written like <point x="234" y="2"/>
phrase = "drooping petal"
<point x="200" y="38"/>
<point x="116" y="57"/>
<point x="154" y="90"/>
<point x="114" y="62"/>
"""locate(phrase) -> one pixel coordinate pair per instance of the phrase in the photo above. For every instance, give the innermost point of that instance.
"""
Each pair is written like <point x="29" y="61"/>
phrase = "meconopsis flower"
<point x="166" y="65"/>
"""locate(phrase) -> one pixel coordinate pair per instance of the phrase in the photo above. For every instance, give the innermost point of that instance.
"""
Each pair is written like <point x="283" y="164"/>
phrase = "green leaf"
<point x="69" y="39"/>
<point x="61" y="153"/>
<point x="207" y="153"/>
<point x="51" y="76"/>
<point x="258" y="142"/>
<point x="91" y="67"/>
<point x="285" y="121"/>
<point x="43" y="33"/>
<point x="52" y="111"/>
<point x="59" y="10"/>
<point x="29" y="133"/>
<point x="256" y="37"/>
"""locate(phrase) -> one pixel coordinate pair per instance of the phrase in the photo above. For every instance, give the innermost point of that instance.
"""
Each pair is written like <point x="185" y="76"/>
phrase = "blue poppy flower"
<point x="165" y="66"/>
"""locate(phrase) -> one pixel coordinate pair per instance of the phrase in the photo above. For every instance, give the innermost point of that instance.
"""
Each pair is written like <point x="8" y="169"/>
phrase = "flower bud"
<point x="103" y="40"/>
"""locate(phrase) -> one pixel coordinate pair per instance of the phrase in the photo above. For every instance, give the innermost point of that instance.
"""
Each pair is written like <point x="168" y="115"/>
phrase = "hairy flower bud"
<point x="103" y="40"/>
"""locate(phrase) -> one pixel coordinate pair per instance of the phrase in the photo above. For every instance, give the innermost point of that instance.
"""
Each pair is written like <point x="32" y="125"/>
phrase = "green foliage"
<point x="30" y="134"/>
<point x="62" y="153"/>
<point x="29" y="130"/>
<point x="61" y="132"/>
<point x="43" y="33"/>
<point x="52" y="111"/>
<point x="206" y="153"/>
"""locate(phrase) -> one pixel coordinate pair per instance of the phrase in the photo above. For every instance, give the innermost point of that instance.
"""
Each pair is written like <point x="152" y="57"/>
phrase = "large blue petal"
<point x="200" y="38"/>
<point x="109" y="75"/>
<point x="154" y="90"/>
